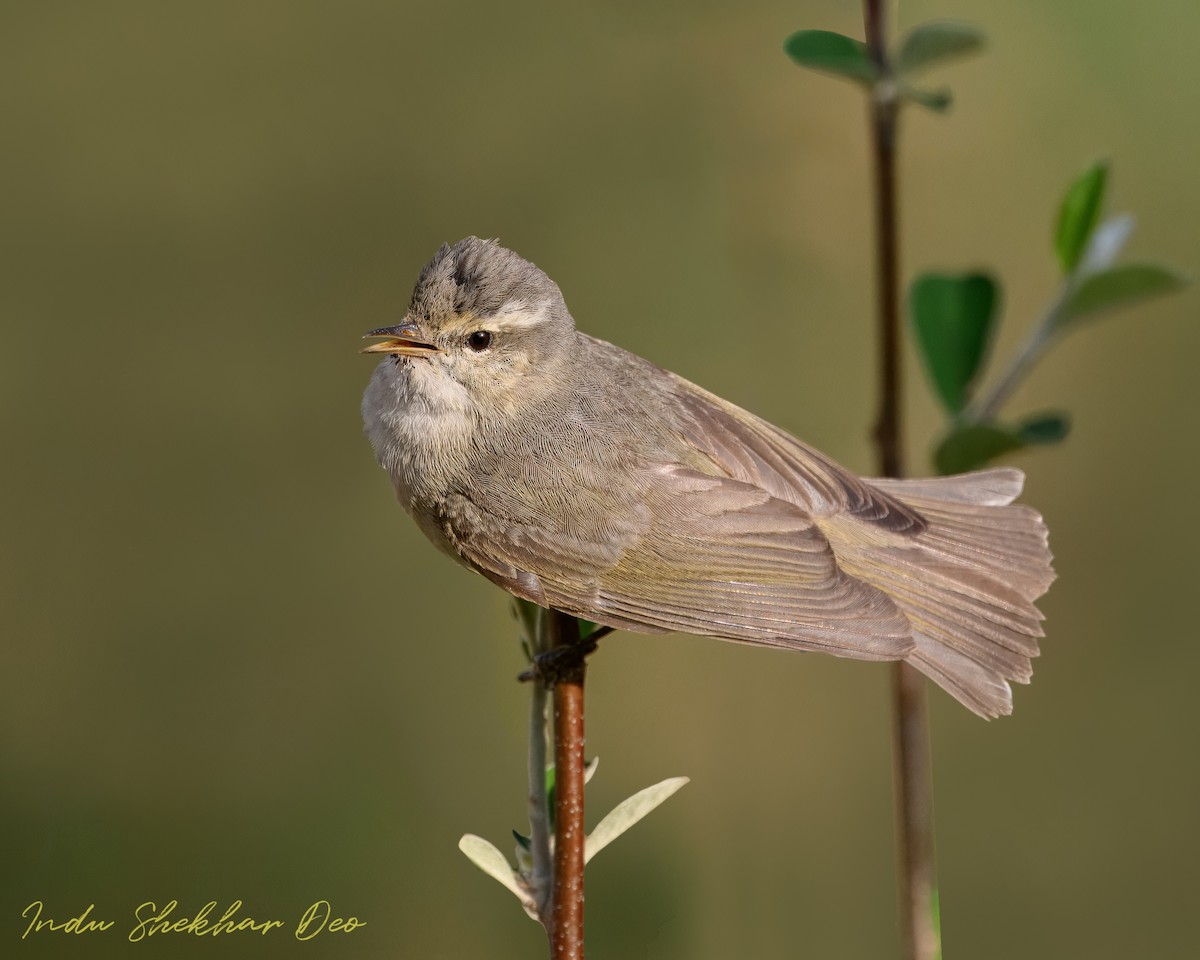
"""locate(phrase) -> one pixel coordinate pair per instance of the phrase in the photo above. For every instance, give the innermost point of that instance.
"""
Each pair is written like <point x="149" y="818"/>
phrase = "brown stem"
<point x="887" y="258"/>
<point x="916" y="885"/>
<point x="912" y="769"/>
<point x="566" y="926"/>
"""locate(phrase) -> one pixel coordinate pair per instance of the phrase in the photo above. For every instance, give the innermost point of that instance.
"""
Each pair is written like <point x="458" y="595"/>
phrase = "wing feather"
<point x="700" y="554"/>
<point x="750" y="449"/>
<point x="728" y="526"/>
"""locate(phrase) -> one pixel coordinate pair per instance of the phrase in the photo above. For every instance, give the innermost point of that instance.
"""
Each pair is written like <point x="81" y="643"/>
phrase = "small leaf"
<point x="936" y="100"/>
<point x="1118" y="287"/>
<point x="522" y="841"/>
<point x="1106" y="244"/>
<point x="590" y="768"/>
<point x="1044" y="428"/>
<point x="937" y="40"/>
<point x="1078" y="214"/>
<point x="972" y="446"/>
<point x="953" y="318"/>
<point x="628" y="812"/>
<point x="491" y="861"/>
<point x="833" y="53"/>
<point x="524" y="863"/>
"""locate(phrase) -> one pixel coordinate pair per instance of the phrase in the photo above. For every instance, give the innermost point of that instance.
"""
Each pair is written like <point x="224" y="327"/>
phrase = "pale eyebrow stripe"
<point x="518" y="317"/>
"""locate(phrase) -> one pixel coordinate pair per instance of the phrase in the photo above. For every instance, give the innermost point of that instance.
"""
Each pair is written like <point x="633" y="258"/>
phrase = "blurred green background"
<point x="233" y="669"/>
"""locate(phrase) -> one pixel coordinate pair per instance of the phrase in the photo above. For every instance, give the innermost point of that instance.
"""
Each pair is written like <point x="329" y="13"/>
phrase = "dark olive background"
<point x="234" y="669"/>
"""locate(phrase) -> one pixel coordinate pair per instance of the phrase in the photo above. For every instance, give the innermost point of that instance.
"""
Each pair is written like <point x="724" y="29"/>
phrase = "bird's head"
<point x="484" y="327"/>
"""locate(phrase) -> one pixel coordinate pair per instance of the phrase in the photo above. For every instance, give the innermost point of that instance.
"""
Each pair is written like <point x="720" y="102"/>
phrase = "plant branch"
<point x="566" y="926"/>
<point x="1026" y="357"/>
<point x="912" y="767"/>
<point x="912" y="775"/>
<point x="539" y="813"/>
<point x="884" y="106"/>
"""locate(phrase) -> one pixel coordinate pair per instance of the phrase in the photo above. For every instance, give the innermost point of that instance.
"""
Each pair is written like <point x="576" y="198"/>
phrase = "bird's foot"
<point x="563" y="663"/>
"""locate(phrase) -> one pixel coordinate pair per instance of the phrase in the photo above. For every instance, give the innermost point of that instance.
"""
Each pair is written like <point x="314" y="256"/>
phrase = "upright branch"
<point x="912" y="765"/>
<point x="566" y="921"/>
<point x="884" y="107"/>
<point x="540" y="826"/>
<point x="912" y="775"/>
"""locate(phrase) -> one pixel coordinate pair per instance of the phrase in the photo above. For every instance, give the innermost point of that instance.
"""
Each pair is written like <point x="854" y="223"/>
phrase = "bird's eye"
<point x="479" y="340"/>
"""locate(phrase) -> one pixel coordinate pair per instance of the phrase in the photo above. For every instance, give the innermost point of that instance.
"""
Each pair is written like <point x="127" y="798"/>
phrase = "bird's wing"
<point x="750" y="449"/>
<point x="692" y="552"/>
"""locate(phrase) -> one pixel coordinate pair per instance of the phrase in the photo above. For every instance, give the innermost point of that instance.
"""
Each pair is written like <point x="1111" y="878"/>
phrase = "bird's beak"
<point x="402" y="340"/>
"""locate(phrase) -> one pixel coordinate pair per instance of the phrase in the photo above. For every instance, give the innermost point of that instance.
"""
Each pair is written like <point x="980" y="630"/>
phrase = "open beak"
<point x="401" y="341"/>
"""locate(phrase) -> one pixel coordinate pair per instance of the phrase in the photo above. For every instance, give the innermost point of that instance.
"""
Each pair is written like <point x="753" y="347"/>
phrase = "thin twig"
<point x="912" y="775"/>
<point x="888" y="436"/>
<point x="539" y="813"/>
<point x="912" y="768"/>
<point x="566" y="928"/>
<point x="1023" y="361"/>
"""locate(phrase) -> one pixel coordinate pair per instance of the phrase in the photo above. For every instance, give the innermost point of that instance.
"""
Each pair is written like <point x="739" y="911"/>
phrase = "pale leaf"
<point x="1106" y="243"/>
<point x="628" y="812"/>
<point x="485" y="855"/>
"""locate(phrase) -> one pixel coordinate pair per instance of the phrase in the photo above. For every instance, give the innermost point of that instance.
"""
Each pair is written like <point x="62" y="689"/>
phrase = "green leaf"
<point x="936" y="100"/>
<point x="953" y="319"/>
<point x="971" y="446"/>
<point x="974" y="445"/>
<point x="833" y="53"/>
<point x="1118" y="287"/>
<point x="522" y="841"/>
<point x="1078" y="214"/>
<point x="937" y="40"/>
<point x="1044" y="428"/>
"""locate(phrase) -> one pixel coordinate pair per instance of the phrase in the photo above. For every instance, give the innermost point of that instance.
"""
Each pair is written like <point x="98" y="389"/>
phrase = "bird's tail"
<point x="967" y="583"/>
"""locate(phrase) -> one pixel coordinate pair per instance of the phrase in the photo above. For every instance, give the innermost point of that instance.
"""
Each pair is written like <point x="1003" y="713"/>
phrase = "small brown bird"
<point x="584" y="478"/>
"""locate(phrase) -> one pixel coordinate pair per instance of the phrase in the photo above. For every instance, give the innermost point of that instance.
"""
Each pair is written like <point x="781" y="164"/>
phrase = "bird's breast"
<point x="421" y="438"/>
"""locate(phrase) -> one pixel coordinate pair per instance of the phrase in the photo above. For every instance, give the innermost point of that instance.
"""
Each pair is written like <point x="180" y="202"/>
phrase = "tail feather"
<point x="990" y="488"/>
<point x="967" y="583"/>
<point x="969" y="682"/>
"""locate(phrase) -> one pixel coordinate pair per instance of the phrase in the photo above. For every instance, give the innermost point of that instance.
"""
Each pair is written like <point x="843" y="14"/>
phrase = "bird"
<point x="586" y="479"/>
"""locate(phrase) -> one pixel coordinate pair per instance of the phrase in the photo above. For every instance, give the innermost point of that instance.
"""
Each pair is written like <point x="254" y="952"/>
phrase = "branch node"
<point x="561" y="664"/>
